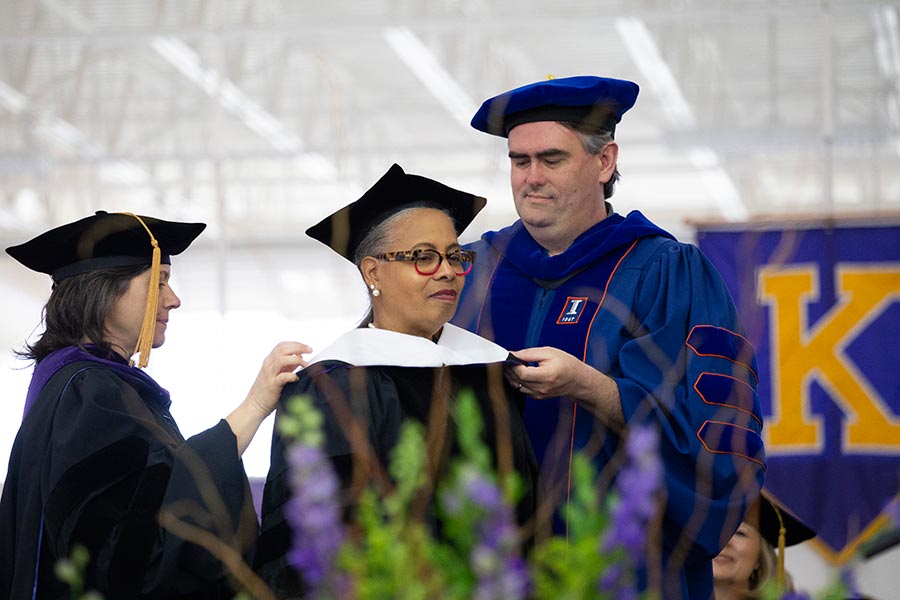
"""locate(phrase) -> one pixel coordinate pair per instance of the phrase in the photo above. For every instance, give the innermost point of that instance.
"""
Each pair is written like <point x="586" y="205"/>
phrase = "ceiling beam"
<point x="486" y="23"/>
<point x="220" y="89"/>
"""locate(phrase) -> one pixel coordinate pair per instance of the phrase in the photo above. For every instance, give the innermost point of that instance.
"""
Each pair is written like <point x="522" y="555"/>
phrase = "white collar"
<point x="368" y="347"/>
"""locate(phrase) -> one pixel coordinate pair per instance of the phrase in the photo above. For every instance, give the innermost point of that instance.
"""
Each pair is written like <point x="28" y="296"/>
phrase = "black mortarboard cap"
<point x="345" y="229"/>
<point x="103" y="241"/>
<point x="595" y="103"/>
<point x="771" y="517"/>
<point x="779" y="528"/>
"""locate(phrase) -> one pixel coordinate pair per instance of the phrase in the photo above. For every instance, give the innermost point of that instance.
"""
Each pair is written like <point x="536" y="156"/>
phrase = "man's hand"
<point x="558" y="373"/>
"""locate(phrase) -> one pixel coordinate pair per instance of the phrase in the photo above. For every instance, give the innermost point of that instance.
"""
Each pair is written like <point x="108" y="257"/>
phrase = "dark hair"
<point x="77" y="310"/>
<point x="594" y="141"/>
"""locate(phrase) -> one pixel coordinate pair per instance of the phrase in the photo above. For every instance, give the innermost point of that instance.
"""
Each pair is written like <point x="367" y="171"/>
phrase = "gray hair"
<point x="594" y="142"/>
<point x="379" y="238"/>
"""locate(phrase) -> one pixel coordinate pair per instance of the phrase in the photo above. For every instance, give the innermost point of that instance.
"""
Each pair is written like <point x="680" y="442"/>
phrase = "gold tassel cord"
<point x="148" y="325"/>
<point x="781" y="544"/>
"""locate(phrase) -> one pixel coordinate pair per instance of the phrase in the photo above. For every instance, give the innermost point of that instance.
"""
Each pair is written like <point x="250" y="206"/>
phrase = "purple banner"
<point x="821" y="306"/>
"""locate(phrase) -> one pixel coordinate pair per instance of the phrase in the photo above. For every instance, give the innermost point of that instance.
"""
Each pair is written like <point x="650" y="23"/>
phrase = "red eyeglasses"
<point x="428" y="261"/>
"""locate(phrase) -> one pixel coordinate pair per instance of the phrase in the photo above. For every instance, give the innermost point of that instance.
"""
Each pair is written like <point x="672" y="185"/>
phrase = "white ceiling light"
<point x="11" y="99"/>
<point x="234" y="100"/>
<point x="657" y="74"/>
<point x="660" y="79"/>
<point x="185" y="59"/>
<point x="887" y="56"/>
<point x="63" y="133"/>
<point x="436" y="79"/>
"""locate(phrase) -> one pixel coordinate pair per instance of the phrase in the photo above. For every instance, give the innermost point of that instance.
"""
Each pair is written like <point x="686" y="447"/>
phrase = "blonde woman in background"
<point x="749" y="561"/>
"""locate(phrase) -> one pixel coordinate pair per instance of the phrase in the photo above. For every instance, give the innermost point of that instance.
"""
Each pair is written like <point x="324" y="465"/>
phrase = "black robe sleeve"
<point x="95" y="466"/>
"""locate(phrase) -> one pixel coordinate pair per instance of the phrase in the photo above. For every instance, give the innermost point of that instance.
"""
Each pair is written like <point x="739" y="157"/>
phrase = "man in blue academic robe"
<point x="620" y="324"/>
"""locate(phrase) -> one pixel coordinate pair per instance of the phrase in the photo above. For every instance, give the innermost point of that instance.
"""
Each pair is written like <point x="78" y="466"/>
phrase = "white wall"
<point x="878" y="578"/>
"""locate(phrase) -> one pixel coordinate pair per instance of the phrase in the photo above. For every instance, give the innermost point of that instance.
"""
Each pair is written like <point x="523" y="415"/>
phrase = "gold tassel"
<point x="781" y="543"/>
<point x="148" y="325"/>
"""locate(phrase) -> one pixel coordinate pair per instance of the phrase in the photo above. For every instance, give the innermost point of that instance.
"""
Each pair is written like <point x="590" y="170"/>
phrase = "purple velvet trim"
<point x="55" y="361"/>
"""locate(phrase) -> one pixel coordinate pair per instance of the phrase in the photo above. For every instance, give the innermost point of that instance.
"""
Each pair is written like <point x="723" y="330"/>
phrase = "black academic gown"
<point x="96" y="457"/>
<point x="381" y="395"/>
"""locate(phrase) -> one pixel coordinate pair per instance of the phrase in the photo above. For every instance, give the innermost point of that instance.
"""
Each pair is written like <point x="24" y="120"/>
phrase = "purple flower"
<point x="848" y="578"/>
<point x="614" y="580"/>
<point x="313" y="514"/>
<point x="483" y="492"/>
<point x="637" y="486"/>
<point x="500" y="572"/>
<point x="892" y="510"/>
<point x="796" y="596"/>
<point x="611" y="576"/>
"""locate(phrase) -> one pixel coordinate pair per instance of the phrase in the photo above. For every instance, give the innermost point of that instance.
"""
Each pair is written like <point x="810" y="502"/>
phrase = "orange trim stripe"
<point x="569" y="475"/>
<point x="710" y="450"/>
<point x="734" y="406"/>
<point x="729" y="359"/>
<point x="603" y="297"/>
<point x="584" y="359"/>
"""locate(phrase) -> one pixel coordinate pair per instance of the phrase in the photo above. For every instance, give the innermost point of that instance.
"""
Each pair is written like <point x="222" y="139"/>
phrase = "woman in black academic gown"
<point x="404" y="361"/>
<point x="98" y="460"/>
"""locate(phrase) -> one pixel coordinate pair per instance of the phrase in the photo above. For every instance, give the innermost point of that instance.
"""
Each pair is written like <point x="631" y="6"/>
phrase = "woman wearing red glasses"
<point x="404" y="362"/>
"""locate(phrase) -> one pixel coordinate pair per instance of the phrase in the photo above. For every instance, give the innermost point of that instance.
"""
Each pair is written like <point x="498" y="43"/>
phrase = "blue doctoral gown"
<point x="655" y="315"/>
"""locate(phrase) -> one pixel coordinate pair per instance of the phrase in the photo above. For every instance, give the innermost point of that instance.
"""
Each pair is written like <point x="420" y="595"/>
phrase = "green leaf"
<point x="469" y="431"/>
<point x="67" y="572"/>
<point x="301" y="421"/>
<point x="407" y="468"/>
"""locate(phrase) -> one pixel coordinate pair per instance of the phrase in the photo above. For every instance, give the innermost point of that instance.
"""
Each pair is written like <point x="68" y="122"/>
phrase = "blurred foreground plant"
<point x="71" y="571"/>
<point x="477" y="554"/>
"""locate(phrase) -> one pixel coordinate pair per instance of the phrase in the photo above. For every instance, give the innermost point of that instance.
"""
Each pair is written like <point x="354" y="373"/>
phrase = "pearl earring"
<point x="375" y="291"/>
